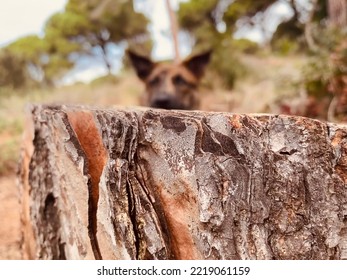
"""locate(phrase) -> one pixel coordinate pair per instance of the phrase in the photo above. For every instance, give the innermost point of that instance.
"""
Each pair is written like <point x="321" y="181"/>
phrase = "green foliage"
<point x="90" y="24"/>
<point x="327" y="38"/>
<point x="203" y="20"/>
<point x="288" y="37"/>
<point x="325" y="76"/>
<point x="12" y="71"/>
<point x="30" y="48"/>
<point x="194" y="13"/>
<point x="316" y="76"/>
<point x="244" y="9"/>
<point x="227" y="66"/>
<point x="46" y="59"/>
<point x="67" y="24"/>
<point x="246" y="46"/>
<point x="321" y="11"/>
<point x="285" y="46"/>
<point x="324" y="67"/>
<point x="77" y="31"/>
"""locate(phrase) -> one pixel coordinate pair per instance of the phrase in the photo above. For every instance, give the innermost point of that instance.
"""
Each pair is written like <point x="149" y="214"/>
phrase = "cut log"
<point x="156" y="184"/>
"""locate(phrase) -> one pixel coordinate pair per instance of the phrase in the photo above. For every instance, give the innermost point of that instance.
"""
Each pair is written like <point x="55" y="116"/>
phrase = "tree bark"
<point x="156" y="184"/>
<point x="308" y="28"/>
<point x="104" y="55"/>
<point x="174" y="31"/>
<point x="337" y="11"/>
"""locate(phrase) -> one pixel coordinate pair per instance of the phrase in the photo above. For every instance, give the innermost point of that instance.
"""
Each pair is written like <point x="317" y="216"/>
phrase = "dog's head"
<point x="171" y="86"/>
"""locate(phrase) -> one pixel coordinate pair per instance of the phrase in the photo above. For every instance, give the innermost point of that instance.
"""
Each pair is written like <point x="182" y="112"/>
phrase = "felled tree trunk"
<point x="152" y="184"/>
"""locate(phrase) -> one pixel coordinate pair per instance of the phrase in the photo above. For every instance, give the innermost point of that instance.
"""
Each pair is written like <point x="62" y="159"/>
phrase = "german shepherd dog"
<point x="170" y="86"/>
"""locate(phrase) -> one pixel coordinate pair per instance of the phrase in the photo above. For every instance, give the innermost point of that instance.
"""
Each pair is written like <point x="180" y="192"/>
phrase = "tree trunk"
<point x="337" y="11"/>
<point x="104" y="55"/>
<point x="156" y="184"/>
<point x="174" y="31"/>
<point x="308" y="28"/>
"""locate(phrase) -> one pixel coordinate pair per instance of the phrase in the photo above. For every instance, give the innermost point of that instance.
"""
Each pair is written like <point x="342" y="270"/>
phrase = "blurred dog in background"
<point x="171" y="86"/>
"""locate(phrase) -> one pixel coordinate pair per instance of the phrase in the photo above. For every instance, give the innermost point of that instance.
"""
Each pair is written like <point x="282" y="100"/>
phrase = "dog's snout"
<point x="166" y="102"/>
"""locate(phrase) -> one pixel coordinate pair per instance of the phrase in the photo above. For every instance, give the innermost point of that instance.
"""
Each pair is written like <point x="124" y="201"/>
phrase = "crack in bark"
<point x="132" y="215"/>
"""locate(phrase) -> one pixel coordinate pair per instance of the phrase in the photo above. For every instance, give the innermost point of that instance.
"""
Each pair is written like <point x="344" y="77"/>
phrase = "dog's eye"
<point x="155" y="81"/>
<point x="179" y="80"/>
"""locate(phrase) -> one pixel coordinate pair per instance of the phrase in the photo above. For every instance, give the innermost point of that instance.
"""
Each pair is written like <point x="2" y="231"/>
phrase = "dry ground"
<point x="10" y="219"/>
<point x="258" y="93"/>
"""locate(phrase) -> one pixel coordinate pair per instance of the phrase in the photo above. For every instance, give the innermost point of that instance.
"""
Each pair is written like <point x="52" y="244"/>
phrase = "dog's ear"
<point x="197" y="64"/>
<point x="143" y="65"/>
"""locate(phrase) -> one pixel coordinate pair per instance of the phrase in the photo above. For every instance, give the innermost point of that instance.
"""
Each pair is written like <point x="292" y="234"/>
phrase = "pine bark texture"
<point x="156" y="184"/>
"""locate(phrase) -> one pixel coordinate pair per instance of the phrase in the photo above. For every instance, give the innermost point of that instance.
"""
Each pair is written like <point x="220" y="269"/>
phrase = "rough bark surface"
<point x="152" y="184"/>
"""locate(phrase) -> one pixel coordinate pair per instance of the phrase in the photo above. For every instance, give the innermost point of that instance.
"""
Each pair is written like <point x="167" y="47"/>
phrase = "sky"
<point x="24" y="17"/>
